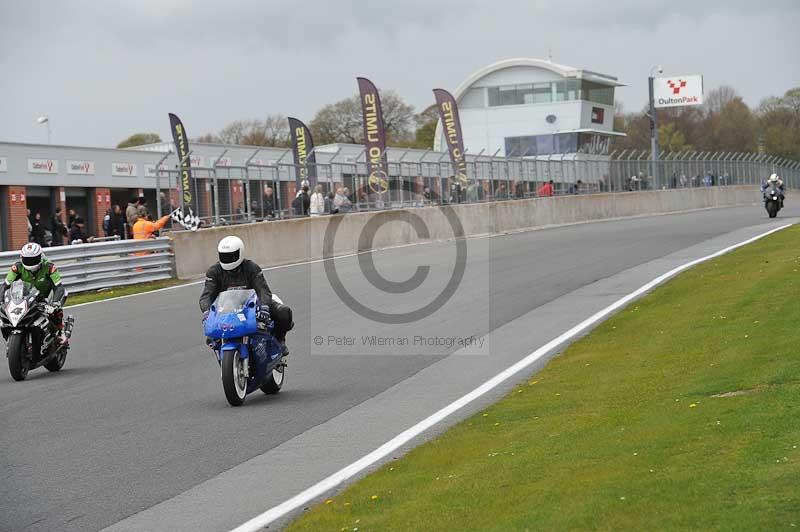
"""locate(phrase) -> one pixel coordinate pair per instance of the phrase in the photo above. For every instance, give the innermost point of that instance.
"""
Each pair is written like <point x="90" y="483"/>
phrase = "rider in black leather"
<point x="234" y="271"/>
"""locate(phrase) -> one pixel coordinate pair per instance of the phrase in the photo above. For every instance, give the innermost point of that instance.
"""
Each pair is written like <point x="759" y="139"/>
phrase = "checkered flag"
<point x="187" y="221"/>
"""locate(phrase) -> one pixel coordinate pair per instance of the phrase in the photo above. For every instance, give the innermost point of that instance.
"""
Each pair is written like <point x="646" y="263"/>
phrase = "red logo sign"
<point x="676" y="85"/>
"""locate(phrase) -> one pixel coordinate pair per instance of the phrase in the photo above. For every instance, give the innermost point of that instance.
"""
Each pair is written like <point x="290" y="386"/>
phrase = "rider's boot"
<point x="284" y="348"/>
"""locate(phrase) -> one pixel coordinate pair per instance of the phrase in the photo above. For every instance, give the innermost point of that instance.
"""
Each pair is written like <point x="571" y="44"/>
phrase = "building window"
<point x="594" y="92"/>
<point x="532" y="145"/>
<point x="594" y="144"/>
<point x="558" y="91"/>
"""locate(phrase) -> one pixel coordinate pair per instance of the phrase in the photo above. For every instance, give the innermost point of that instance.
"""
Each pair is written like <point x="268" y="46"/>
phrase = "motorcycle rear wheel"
<point x="18" y="365"/>
<point x="57" y="363"/>
<point x="274" y="381"/>
<point x="234" y="383"/>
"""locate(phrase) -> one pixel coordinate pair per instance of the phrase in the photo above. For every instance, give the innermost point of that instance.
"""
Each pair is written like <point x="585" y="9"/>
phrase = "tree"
<point x="342" y="121"/>
<point x="671" y="139"/>
<point x="779" y="124"/>
<point x="139" y="139"/>
<point x="723" y="123"/>
<point x="338" y="122"/>
<point x="272" y="131"/>
<point x="425" y="133"/>
<point x="737" y="128"/>
<point x="208" y="138"/>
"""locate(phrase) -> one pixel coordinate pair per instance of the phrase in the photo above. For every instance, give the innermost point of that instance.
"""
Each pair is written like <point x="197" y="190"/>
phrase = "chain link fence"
<point x="236" y="194"/>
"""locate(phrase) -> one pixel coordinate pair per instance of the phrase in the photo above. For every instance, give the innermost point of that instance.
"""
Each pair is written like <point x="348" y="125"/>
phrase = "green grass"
<point x="626" y="429"/>
<point x="87" y="297"/>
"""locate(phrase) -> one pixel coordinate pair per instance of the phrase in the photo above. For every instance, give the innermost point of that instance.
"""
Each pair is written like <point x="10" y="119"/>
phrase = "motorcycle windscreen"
<point x="232" y="315"/>
<point x="20" y="291"/>
<point x="232" y="301"/>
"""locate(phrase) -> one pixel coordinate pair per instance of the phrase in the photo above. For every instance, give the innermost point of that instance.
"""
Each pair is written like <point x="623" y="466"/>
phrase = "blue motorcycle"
<point x="249" y="356"/>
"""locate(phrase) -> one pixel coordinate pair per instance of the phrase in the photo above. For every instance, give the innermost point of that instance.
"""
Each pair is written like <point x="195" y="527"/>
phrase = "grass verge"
<point x="682" y="412"/>
<point x="100" y="295"/>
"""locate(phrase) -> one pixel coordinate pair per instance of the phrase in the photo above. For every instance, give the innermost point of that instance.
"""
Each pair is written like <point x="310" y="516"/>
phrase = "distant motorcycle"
<point x="250" y="358"/>
<point x="772" y="200"/>
<point x="30" y="337"/>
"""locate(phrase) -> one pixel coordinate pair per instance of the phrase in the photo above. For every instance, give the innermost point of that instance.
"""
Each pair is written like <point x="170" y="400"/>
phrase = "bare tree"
<point x="718" y="98"/>
<point x="272" y="131"/>
<point x="342" y="122"/>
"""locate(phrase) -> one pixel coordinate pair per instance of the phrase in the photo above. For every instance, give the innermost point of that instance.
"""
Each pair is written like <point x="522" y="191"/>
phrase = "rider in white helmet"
<point x="234" y="270"/>
<point x="775" y="180"/>
<point x="34" y="268"/>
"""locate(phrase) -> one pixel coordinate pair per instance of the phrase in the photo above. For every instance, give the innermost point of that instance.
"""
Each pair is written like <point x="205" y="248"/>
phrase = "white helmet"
<point x="31" y="256"/>
<point x="774" y="178"/>
<point x="231" y="252"/>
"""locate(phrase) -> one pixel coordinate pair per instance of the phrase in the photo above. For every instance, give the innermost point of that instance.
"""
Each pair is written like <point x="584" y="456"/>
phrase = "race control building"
<point x="534" y="108"/>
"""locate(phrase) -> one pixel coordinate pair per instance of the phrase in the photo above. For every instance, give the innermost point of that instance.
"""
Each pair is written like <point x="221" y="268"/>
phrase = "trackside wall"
<point x="300" y="239"/>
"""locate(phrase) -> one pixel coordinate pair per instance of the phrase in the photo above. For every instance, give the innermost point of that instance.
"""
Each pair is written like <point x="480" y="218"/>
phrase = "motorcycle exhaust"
<point x="69" y="323"/>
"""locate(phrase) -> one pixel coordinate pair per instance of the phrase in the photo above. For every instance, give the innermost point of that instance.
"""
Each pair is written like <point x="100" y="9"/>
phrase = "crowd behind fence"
<point x="237" y="194"/>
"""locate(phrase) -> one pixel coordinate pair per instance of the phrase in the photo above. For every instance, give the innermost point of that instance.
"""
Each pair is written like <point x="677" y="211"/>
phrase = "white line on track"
<point x="404" y="437"/>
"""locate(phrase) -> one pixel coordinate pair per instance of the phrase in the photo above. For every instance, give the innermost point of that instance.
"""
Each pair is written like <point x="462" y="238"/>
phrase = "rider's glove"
<point x="263" y="315"/>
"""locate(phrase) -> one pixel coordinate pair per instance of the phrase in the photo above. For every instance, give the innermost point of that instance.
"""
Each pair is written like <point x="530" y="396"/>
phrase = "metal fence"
<point x="236" y="194"/>
<point x="86" y="267"/>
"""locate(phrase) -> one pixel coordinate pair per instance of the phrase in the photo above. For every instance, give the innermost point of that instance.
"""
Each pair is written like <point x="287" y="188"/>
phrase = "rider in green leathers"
<point x="34" y="268"/>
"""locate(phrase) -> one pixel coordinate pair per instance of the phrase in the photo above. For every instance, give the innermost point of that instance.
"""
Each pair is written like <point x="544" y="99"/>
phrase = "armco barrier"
<point x="107" y="264"/>
<point x="296" y="240"/>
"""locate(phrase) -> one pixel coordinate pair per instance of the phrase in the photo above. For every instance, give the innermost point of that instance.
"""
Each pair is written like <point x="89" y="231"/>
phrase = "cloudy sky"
<point x="104" y="70"/>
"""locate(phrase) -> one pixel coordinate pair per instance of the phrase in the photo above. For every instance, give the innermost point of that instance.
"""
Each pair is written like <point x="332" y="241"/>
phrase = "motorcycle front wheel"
<point x="18" y="365"/>
<point x="234" y="381"/>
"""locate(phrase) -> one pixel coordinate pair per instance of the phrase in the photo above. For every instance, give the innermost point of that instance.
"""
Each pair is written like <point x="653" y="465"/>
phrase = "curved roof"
<point x="561" y="70"/>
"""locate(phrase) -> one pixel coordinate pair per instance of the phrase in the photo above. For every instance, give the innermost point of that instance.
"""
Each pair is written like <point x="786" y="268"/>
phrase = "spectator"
<point x="255" y="212"/>
<point x="472" y="192"/>
<point x="132" y="212"/>
<point x="240" y="210"/>
<point x="30" y="227"/>
<point x="683" y="180"/>
<point x="77" y="235"/>
<point x="145" y="228"/>
<point x="301" y="202"/>
<point x="341" y="202"/>
<point x="501" y="193"/>
<point x="297" y="205"/>
<point x="708" y="180"/>
<point x="117" y="222"/>
<point x="306" y="199"/>
<point x="71" y="217"/>
<point x="269" y="203"/>
<point x="59" y="229"/>
<point x="316" y="202"/>
<point x="576" y="188"/>
<point x="426" y="193"/>
<point x="546" y="190"/>
<point x="37" y="229"/>
<point x="107" y="223"/>
<point x="141" y="207"/>
<point x="329" y="208"/>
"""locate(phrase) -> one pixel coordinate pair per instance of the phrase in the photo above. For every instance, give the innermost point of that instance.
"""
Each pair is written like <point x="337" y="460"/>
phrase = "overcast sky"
<point x="104" y="70"/>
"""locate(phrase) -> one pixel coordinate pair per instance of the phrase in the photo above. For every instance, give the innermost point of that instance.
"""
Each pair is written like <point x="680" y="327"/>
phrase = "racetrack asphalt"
<point x="135" y="430"/>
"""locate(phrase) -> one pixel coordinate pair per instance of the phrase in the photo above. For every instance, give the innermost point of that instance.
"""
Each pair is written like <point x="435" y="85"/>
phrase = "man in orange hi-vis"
<point x="145" y="228"/>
